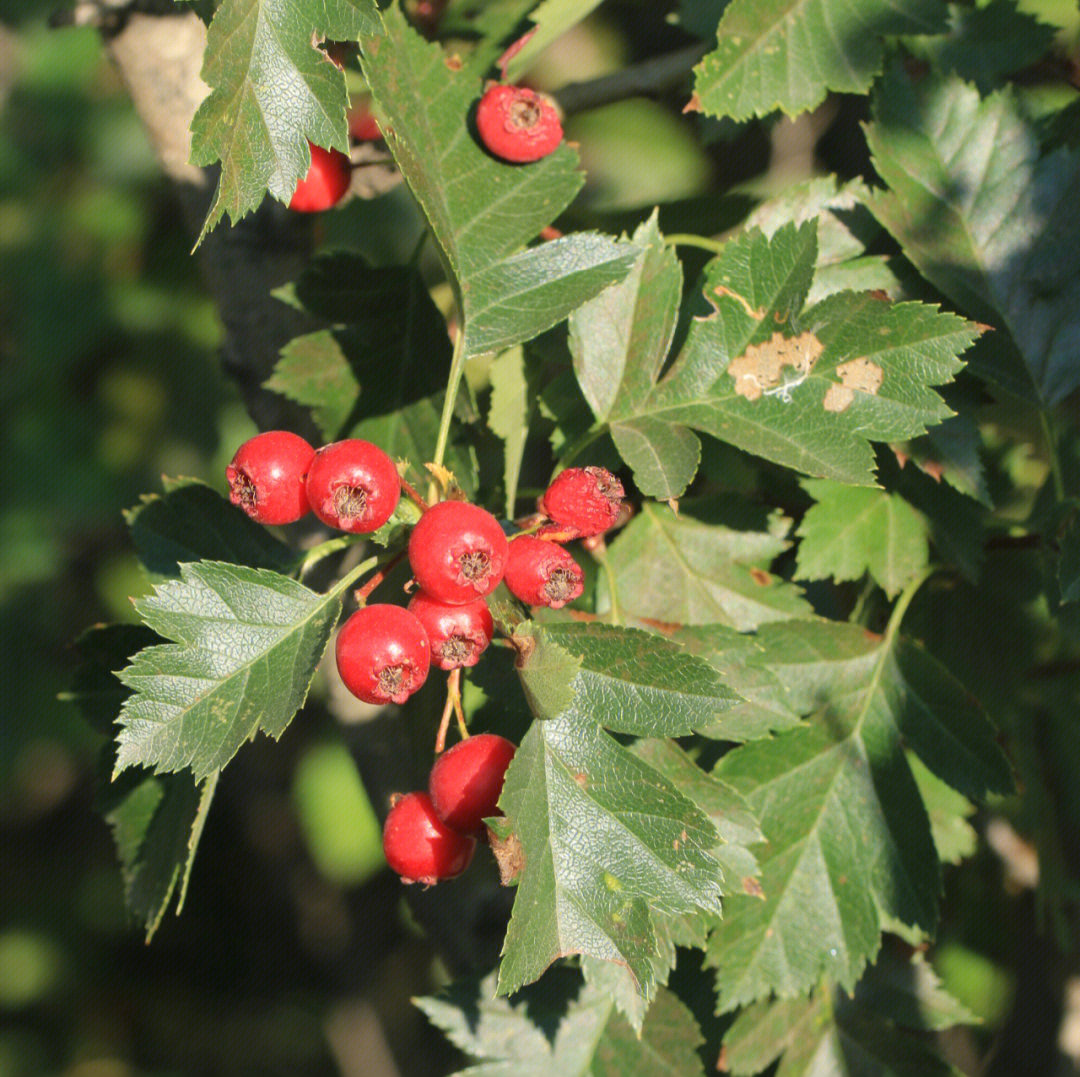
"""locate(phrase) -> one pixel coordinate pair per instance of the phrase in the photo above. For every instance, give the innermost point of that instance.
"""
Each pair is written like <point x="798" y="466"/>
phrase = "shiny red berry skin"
<point x="583" y="499"/>
<point x="383" y="654"/>
<point x="353" y="485"/>
<point x="518" y="124"/>
<point x="326" y="182"/>
<point x="458" y="552"/>
<point x="466" y="781"/>
<point x="419" y="846"/>
<point x="458" y="634"/>
<point x="362" y="125"/>
<point x="541" y="573"/>
<point x="267" y="477"/>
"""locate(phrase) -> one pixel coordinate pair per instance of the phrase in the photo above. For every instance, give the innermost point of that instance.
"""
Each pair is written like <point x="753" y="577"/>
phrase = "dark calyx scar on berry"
<point x="518" y="124"/>
<point x="383" y="654"/>
<point x="458" y="634"/>
<point x="584" y="499"/>
<point x="267" y="477"/>
<point x="458" y="552"/>
<point x="353" y="485"/>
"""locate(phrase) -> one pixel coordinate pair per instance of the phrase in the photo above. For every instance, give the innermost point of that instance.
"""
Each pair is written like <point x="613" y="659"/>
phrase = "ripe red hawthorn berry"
<point x="518" y="124"/>
<point x="583" y="499"/>
<point x="383" y="654"/>
<point x="362" y="125"/>
<point x="419" y="846"/>
<point x="458" y="634"/>
<point x="353" y="485"/>
<point x="466" y="781"/>
<point x="267" y="476"/>
<point x="541" y="573"/>
<point x="326" y="182"/>
<point x="457" y="552"/>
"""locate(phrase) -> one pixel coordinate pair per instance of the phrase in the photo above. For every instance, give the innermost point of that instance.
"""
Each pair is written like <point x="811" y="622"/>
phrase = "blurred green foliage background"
<point x="294" y="955"/>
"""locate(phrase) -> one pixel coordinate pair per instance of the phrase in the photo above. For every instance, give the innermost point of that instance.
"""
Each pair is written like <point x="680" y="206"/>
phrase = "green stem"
<point x="685" y="239"/>
<point x="1052" y="454"/>
<point x="594" y="433"/>
<point x="353" y="575"/>
<point x="302" y="565"/>
<point x="904" y="601"/>
<point x="453" y="383"/>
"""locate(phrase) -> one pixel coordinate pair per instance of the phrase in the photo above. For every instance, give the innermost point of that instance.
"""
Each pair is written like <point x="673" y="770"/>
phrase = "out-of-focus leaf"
<point x="786" y="54"/>
<point x="986" y="219"/>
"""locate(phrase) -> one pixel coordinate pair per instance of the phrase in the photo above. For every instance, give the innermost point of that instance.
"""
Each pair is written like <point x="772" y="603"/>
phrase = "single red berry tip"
<point x="517" y="124"/>
<point x="353" y="485"/>
<point x="419" y="846"/>
<point x="466" y="781"/>
<point x="326" y="182"/>
<point x="267" y="477"/>
<point x="383" y="654"/>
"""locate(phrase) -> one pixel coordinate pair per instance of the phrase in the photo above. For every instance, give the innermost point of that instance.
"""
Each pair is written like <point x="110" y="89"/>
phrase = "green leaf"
<point x="606" y="840"/>
<point x="247" y="642"/>
<point x="908" y="992"/>
<point x="845" y="230"/>
<point x="563" y="1029"/>
<point x="191" y="522"/>
<point x="948" y="812"/>
<point x="482" y="211"/>
<point x="271" y="91"/>
<point x="806" y="388"/>
<point x="849" y="848"/>
<point x="814" y="1038"/>
<point x="510" y="414"/>
<point x="950" y="451"/>
<point x="156" y="821"/>
<point x="624" y="679"/>
<point x="852" y="529"/>
<point x="739" y="659"/>
<point x="983" y="44"/>
<point x="157" y="826"/>
<point x="985" y="219"/>
<point x="379" y="374"/>
<point x="550" y="20"/>
<point x="786" y="54"/>
<point x="676" y="569"/>
<point x="619" y="342"/>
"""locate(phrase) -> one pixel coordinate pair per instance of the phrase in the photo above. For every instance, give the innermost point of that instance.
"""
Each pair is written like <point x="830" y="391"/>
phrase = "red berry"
<point x="383" y="654"/>
<point x="541" y="573"/>
<point x="267" y="476"/>
<point x="458" y="552"/>
<point x="353" y="485"/>
<point x="326" y="182"/>
<point x="458" y="634"/>
<point x="419" y="846"/>
<point x="584" y="499"/>
<point x="518" y="124"/>
<point x="466" y="781"/>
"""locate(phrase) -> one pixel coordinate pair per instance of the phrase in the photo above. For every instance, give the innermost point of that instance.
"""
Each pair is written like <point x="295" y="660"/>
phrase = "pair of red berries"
<point x="277" y="478"/>
<point x="514" y="123"/>
<point x="432" y="836"/>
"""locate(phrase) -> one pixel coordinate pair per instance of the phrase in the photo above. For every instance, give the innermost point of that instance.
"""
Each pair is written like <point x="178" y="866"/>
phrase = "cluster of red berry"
<point x="458" y="553"/>
<point x="515" y="124"/>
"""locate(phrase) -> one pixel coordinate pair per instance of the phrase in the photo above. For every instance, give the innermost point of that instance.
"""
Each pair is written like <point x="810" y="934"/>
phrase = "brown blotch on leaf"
<point x="454" y="62"/>
<point x="760" y="577"/>
<point x="761" y="367"/>
<point x="509" y="856"/>
<point x="857" y="375"/>
<point x="693" y="105"/>
<point x="752" y="887"/>
<point x="582" y="779"/>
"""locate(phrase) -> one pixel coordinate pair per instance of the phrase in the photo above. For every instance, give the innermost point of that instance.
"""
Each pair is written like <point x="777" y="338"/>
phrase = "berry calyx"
<point x="419" y="846"/>
<point x="458" y="634"/>
<point x="457" y="552"/>
<point x="353" y="485"/>
<point x="383" y="654"/>
<point x="583" y="499"/>
<point x="326" y="181"/>
<point x="466" y="781"/>
<point x="541" y="573"/>
<point x="267" y="477"/>
<point x="518" y="124"/>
